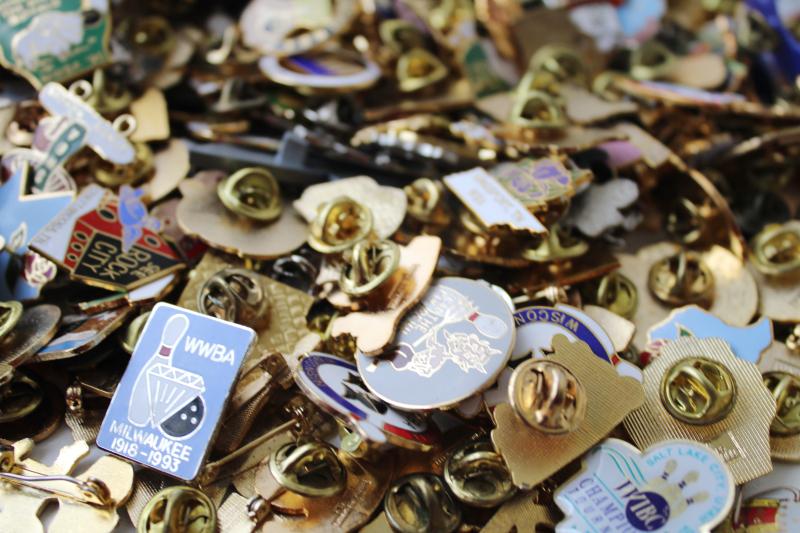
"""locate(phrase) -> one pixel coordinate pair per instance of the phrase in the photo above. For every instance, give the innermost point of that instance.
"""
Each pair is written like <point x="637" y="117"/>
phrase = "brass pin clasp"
<point x="682" y="279"/>
<point x="547" y="396"/>
<point x="312" y="469"/>
<point x="776" y="249"/>
<point x="558" y="245"/>
<point x="651" y="60"/>
<point x="178" y="509"/>
<point x="698" y="391"/>
<point x="424" y="197"/>
<point x="253" y="193"/>
<point x="19" y="394"/>
<point x="477" y="475"/>
<point x="368" y="265"/>
<point x="235" y="295"/>
<point x="10" y="313"/>
<point x="618" y="294"/>
<point x="339" y="225"/>
<point x="785" y="388"/>
<point x="421" y="502"/>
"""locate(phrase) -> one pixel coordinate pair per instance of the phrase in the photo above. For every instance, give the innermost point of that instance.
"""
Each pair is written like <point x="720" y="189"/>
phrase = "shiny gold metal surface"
<point x="697" y="390"/>
<point x="339" y="224"/>
<point x="477" y="475"/>
<point x="776" y="249"/>
<point x="178" y="509"/>
<point x="785" y="388"/>
<point x="368" y="265"/>
<point x="235" y="295"/>
<point x="682" y="279"/>
<point x="547" y="396"/>
<point x="252" y="193"/>
<point x="310" y="469"/>
<point x="421" y="503"/>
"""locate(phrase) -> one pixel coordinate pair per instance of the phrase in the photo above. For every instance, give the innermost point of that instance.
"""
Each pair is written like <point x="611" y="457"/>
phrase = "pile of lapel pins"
<point x="417" y="266"/>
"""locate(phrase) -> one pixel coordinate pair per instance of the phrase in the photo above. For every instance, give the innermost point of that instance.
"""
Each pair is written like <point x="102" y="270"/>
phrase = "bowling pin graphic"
<point x="139" y="408"/>
<point x="489" y="325"/>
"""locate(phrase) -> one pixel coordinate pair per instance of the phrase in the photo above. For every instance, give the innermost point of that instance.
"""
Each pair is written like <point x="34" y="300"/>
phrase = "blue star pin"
<point x="23" y="216"/>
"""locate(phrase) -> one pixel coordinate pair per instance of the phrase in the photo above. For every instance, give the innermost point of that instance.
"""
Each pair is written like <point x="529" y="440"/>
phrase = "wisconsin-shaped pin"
<point x="168" y="404"/>
<point x="676" y="485"/>
<point x="691" y="321"/>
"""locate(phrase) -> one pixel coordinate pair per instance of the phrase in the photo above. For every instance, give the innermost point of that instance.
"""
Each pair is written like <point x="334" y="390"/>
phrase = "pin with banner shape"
<point x="691" y="321"/>
<point x="491" y="202"/>
<point x="676" y="485"/>
<point x="168" y="404"/>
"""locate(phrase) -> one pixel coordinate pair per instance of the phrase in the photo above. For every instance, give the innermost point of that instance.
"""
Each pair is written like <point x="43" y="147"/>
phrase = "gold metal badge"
<point x="386" y="204"/>
<point x="280" y="317"/>
<point x="734" y="297"/>
<point x="698" y="389"/>
<point x="609" y="397"/>
<point x="374" y="326"/>
<point x="201" y="213"/>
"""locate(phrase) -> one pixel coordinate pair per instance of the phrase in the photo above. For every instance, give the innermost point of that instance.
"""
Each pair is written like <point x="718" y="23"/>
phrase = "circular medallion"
<point x="335" y="385"/>
<point x="452" y="345"/>
<point x="537" y="325"/>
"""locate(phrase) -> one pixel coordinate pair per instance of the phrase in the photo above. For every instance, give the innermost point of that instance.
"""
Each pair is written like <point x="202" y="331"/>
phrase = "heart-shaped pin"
<point x="676" y="485"/>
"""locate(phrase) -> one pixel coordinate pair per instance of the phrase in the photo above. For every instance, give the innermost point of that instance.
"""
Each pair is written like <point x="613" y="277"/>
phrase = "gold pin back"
<point x="421" y="502"/>
<point x="697" y="390"/>
<point x="609" y="397"/>
<point x="235" y="295"/>
<point x="339" y="225"/>
<point x="682" y="279"/>
<point x="547" y="396"/>
<point x="252" y="193"/>
<point x="10" y="313"/>
<point x="368" y="264"/>
<point x="178" y="509"/>
<point x="477" y="475"/>
<point x="617" y="293"/>
<point x="310" y="469"/>
<point x="776" y="249"/>
<point x="785" y="388"/>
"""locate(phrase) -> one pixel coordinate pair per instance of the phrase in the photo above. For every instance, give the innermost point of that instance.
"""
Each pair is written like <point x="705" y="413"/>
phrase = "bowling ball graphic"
<point x="186" y="420"/>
